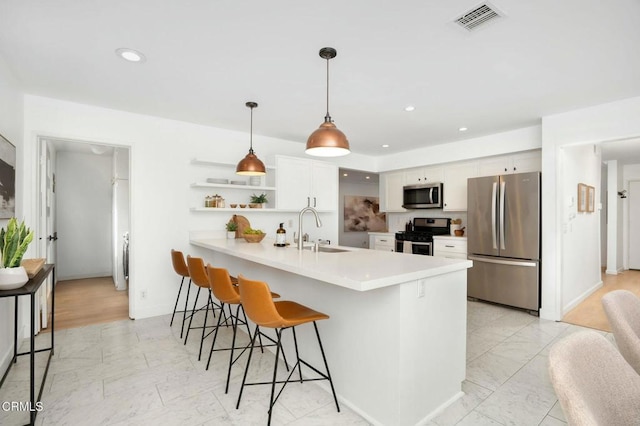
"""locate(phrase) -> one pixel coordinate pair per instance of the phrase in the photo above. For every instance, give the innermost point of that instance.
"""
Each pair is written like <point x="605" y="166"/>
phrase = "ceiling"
<point x="206" y="58"/>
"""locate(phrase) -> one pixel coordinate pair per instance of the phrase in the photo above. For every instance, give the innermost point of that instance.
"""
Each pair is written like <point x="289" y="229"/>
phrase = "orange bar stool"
<point x="228" y="294"/>
<point x="199" y="277"/>
<point x="264" y="312"/>
<point x="180" y="267"/>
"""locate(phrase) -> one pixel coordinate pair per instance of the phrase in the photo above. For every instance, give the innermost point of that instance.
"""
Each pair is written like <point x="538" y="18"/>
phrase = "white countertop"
<point x="356" y="269"/>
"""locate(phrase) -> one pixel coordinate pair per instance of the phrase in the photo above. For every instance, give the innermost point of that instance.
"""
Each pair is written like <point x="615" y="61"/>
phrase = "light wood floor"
<point x="89" y="301"/>
<point x="590" y="313"/>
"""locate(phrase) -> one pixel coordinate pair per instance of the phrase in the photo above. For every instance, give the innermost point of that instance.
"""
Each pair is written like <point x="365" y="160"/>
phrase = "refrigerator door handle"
<point x="502" y="262"/>
<point x="503" y="185"/>
<point x="493" y="215"/>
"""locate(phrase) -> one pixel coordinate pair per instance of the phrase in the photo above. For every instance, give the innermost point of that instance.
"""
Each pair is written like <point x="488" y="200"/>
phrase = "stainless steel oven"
<point x="419" y="240"/>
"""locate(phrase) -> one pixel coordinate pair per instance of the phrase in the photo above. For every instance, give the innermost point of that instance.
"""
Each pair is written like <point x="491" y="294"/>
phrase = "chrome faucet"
<point x="302" y="212"/>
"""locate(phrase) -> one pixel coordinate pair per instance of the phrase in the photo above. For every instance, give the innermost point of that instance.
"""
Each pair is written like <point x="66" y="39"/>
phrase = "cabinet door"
<point x="293" y="183"/>
<point x="423" y="175"/>
<point x="455" y="185"/>
<point x="494" y="166"/>
<point x="324" y="186"/>
<point x="414" y="177"/>
<point x="391" y="192"/>
<point x="527" y="162"/>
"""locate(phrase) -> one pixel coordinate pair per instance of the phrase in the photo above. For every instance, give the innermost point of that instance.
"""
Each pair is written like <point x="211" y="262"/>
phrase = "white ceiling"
<point x="206" y="58"/>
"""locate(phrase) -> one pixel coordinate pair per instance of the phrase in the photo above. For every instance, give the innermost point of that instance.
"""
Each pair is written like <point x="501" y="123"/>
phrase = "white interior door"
<point x="634" y="224"/>
<point x="46" y="234"/>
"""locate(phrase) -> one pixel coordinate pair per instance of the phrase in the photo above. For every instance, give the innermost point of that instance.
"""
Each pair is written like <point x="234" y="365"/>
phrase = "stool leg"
<point x="233" y="346"/>
<point x="193" y="311"/>
<point x="273" y="382"/>
<point x="204" y="324"/>
<point x="175" y="307"/>
<point x="324" y="358"/>
<point x="246" y="369"/>
<point x="215" y="335"/>
<point x="186" y="303"/>
<point x="295" y="344"/>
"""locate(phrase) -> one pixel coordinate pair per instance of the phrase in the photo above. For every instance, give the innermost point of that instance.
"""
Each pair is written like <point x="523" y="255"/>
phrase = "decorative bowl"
<point x="242" y="206"/>
<point x="459" y="232"/>
<point x="254" y="238"/>
<point x="254" y="205"/>
<point x="233" y="206"/>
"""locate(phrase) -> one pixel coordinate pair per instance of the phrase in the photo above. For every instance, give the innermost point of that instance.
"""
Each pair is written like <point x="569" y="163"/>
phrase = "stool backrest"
<point x="221" y="285"/>
<point x="623" y="312"/>
<point x="593" y="382"/>
<point x="179" y="265"/>
<point x="197" y="271"/>
<point x="258" y="304"/>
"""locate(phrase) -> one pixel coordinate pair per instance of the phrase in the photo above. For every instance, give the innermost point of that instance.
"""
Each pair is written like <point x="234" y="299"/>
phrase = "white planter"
<point x="11" y="278"/>
<point x="231" y="235"/>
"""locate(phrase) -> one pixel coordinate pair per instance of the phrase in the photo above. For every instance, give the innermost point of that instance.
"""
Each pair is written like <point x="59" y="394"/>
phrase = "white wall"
<point x="524" y="139"/>
<point x="603" y="216"/>
<point x="607" y="122"/>
<point x="615" y="218"/>
<point x="11" y="121"/>
<point x="629" y="172"/>
<point x="83" y="212"/>
<point x="581" y="230"/>
<point x="354" y="239"/>
<point x="161" y="172"/>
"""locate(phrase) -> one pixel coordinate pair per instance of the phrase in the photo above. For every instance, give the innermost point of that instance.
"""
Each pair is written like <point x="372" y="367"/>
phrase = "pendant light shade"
<point x="251" y="165"/>
<point x="327" y="140"/>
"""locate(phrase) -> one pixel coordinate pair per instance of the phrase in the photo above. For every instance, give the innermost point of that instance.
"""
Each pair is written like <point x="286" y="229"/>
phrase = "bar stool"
<point x="199" y="277"/>
<point x="264" y="312"/>
<point x="180" y="267"/>
<point x="228" y="294"/>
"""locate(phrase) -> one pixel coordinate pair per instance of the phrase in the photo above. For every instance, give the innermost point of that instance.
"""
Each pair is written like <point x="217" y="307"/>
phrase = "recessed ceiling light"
<point x="130" y="55"/>
<point x="409" y="108"/>
<point x="462" y="129"/>
<point x="367" y="177"/>
<point x="345" y="174"/>
<point x="385" y="145"/>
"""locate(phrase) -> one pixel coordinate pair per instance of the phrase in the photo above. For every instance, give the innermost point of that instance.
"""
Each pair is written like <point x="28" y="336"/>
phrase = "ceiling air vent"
<point x="482" y="14"/>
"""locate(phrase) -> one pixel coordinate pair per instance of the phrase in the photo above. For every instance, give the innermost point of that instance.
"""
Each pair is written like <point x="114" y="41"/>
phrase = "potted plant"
<point x="14" y="240"/>
<point x="259" y="200"/>
<point x="232" y="227"/>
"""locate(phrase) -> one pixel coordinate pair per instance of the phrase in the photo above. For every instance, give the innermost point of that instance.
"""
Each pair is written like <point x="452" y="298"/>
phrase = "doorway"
<point x="84" y="208"/>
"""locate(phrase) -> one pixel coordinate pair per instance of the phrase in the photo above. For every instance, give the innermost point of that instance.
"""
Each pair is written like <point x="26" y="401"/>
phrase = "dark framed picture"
<point x="7" y="179"/>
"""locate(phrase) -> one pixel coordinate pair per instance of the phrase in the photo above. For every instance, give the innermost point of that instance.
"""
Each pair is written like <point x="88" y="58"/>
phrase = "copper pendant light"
<point x="328" y="140"/>
<point x="251" y="165"/>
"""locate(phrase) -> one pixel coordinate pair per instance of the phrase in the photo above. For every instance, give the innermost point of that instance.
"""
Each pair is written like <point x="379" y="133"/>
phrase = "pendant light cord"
<point x="251" y="134"/>
<point x="327" y="117"/>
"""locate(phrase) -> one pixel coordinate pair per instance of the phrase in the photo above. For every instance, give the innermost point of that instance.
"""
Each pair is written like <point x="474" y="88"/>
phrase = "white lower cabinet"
<point x="382" y="242"/>
<point x="451" y="247"/>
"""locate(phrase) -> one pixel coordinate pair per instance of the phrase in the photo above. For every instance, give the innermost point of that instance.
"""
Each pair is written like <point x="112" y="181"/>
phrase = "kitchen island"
<point x="396" y="339"/>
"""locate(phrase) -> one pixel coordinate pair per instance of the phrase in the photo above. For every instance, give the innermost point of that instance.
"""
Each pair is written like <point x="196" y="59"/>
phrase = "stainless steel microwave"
<point x="422" y="196"/>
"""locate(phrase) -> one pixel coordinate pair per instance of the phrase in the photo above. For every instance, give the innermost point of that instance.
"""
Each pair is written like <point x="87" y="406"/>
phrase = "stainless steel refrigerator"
<point x="503" y="239"/>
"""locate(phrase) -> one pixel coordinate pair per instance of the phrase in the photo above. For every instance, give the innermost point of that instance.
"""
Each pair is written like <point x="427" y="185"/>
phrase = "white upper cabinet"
<point x="516" y="163"/>
<point x="423" y="175"/>
<point x="301" y="182"/>
<point x="455" y="185"/>
<point x="391" y="192"/>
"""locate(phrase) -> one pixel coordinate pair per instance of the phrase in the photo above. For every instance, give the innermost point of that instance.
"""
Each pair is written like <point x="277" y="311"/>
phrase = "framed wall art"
<point x="363" y="214"/>
<point x="7" y="179"/>
<point x="582" y="197"/>
<point x="591" y="199"/>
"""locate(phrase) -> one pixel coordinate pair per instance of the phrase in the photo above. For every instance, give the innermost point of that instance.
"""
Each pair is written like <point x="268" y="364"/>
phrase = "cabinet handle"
<point x="383" y="241"/>
<point x="314" y="202"/>
<point x="449" y="246"/>
<point x="308" y="201"/>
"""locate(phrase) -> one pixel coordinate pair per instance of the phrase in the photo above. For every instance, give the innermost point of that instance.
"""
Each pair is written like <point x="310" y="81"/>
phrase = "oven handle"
<point x="420" y="244"/>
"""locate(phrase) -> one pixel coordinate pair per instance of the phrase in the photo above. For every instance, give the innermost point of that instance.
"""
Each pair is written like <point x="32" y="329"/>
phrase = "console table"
<point x="30" y="289"/>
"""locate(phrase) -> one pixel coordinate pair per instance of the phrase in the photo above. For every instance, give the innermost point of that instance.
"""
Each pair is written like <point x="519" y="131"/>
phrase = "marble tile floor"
<point x="140" y="373"/>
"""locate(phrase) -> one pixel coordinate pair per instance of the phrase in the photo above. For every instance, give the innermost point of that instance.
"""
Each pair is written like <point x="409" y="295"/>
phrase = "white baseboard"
<point x="575" y="302"/>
